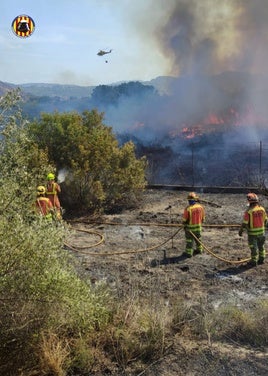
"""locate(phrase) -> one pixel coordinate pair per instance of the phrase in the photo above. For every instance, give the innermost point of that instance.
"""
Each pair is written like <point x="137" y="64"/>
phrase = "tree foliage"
<point x="39" y="288"/>
<point x="98" y="173"/>
<point x="107" y="95"/>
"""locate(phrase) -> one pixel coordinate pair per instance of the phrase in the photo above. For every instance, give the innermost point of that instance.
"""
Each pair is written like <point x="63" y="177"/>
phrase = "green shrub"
<point x="42" y="297"/>
<point x="139" y="333"/>
<point x="245" y="325"/>
<point x="98" y="174"/>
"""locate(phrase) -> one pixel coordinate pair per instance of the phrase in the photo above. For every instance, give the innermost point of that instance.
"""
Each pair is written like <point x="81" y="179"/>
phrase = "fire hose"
<point x="218" y="257"/>
<point x="80" y="249"/>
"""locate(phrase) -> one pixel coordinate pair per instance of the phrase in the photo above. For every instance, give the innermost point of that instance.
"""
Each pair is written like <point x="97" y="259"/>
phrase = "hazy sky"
<point x="149" y="38"/>
<point x="68" y="35"/>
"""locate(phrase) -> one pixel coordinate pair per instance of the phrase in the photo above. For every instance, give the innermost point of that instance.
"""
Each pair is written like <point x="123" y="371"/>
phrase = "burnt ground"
<point x="140" y="258"/>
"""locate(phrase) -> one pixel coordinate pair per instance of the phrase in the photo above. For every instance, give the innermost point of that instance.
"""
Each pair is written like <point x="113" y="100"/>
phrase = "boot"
<point x="187" y="254"/>
<point x="252" y="263"/>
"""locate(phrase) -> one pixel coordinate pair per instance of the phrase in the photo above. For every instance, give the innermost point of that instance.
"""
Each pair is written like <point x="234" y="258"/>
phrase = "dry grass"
<point x="54" y="354"/>
<point x="246" y="326"/>
<point x="139" y="333"/>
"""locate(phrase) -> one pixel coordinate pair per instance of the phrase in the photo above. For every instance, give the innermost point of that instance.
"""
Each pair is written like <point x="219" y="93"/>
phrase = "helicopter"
<point x="102" y="52"/>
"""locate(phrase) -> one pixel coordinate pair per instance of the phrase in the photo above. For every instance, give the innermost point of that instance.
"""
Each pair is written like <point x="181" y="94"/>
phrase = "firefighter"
<point x="42" y="204"/>
<point x="193" y="217"/>
<point x="52" y="191"/>
<point x="254" y="222"/>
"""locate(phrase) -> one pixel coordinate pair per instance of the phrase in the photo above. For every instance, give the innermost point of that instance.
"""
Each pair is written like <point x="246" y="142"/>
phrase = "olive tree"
<point x="98" y="172"/>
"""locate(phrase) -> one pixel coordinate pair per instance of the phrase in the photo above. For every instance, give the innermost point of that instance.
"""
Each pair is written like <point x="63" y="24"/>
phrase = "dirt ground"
<point x="141" y="250"/>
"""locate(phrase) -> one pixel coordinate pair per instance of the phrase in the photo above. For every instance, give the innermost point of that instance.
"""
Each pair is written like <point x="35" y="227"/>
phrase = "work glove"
<point x="240" y="232"/>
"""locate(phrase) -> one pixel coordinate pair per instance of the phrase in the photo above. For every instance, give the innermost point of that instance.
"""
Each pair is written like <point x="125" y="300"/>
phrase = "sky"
<point x="148" y="38"/>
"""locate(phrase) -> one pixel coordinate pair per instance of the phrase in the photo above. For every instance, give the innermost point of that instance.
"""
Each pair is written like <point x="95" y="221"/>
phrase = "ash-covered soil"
<point x="141" y="254"/>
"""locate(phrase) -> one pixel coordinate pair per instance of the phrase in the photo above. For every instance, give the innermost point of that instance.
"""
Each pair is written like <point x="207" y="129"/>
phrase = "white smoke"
<point x="62" y="175"/>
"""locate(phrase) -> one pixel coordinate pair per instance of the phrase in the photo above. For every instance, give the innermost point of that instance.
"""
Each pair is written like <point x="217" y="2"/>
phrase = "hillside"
<point x="140" y="260"/>
<point x="57" y="90"/>
<point x="4" y="87"/>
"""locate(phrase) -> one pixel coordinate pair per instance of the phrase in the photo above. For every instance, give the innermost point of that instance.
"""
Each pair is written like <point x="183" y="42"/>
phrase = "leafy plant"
<point x="246" y="326"/>
<point x="98" y="173"/>
<point x="40" y="291"/>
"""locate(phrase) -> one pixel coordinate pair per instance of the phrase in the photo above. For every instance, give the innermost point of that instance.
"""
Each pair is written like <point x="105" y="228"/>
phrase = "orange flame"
<point x="231" y="117"/>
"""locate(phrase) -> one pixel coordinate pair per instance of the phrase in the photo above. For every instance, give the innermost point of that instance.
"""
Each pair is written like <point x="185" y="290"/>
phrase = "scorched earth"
<point x="138" y="253"/>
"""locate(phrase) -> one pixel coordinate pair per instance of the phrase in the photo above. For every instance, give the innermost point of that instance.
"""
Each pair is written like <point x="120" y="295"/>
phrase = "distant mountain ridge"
<point x="162" y="84"/>
<point x="165" y="85"/>
<point x="50" y="90"/>
<point x="5" y="86"/>
<point x="65" y="91"/>
<point x="57" y="90"/>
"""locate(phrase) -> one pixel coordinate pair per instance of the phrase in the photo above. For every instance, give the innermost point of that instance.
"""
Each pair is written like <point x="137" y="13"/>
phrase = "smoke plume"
<point x="212" y="36"/>
<point x="217" y="50"/>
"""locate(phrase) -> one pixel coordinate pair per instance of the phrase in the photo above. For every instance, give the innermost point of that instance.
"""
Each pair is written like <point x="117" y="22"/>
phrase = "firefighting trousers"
<point x="256" y="245"/>
<point x="190" y="241"/>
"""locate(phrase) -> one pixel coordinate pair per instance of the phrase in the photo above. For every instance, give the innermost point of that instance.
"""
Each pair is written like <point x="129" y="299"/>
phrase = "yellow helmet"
<point x="41" y="190"/>
<point x="50" y="176"/>
<point x="252" y="197"/>
<point x="192" y="196"/>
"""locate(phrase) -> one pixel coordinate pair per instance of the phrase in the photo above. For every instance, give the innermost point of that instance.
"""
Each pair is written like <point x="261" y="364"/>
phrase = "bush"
<point x="40" y="291"/>
<point x="98" y="173"/>
<point x="51" y="321"/>
<point x="246" y="326"/>
<point x="138" y="332"/>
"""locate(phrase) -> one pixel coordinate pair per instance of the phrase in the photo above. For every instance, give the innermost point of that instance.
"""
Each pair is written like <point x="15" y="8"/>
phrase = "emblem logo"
<point x="23" y="26"/>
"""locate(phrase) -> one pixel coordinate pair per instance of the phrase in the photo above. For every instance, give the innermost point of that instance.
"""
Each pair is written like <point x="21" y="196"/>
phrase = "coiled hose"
<point x="81" y="249"/>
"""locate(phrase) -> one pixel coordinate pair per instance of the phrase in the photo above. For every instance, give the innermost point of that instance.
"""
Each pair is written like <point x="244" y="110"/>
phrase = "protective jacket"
<point x="193" y="217"/>
<point x="255" y="220"/>
<point x="44" y="207"/>
<point x="52" y="190"/>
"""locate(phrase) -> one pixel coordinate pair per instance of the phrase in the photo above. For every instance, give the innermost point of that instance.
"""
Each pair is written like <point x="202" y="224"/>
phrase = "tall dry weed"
<point x="54" y="354"/>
